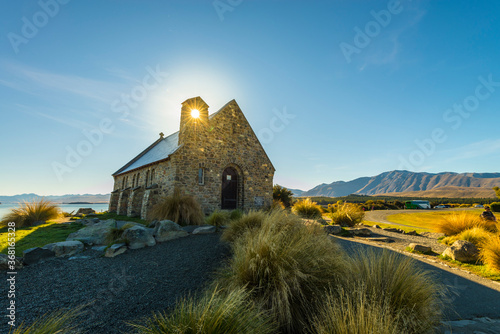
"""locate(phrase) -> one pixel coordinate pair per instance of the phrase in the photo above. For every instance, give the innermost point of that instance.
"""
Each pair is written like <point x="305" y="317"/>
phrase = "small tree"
<point x="282" y="194"/>
<point x="497" y="191"/>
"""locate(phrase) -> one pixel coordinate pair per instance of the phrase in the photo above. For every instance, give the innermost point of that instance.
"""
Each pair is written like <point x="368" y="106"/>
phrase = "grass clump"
<point x="490" y="252"/>
<point x="216" y="312"/>
<point x="393" y="283"/>
<point x="307" y="209"/>
<point x="182" y="209"/>
<point x="115" y="234"/>
<point x="29" y="213"/>
<point x="219" y="218"/>
<point x="237" y="228"/>
<point x="236" y="214"/>
<point x="60" y="321"/>
<point x="476" y="235"/>
<point x="285" y="266"/>
<point x="347" y="214"/>
<point x="460" y="221"/>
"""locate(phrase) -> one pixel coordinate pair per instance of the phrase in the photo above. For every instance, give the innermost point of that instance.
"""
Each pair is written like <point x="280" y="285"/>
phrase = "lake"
<point x="5" y="208"/>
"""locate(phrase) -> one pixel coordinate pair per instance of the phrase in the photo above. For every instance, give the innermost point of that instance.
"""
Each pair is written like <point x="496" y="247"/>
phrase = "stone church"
<point x="217" y="159"/>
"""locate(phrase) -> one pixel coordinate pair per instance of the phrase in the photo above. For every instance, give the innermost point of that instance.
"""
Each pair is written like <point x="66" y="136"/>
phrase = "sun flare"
<point x="195" y="113"/>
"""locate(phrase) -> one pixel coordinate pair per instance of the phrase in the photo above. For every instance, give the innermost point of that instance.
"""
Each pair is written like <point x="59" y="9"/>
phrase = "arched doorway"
<point x="229" y="196"/>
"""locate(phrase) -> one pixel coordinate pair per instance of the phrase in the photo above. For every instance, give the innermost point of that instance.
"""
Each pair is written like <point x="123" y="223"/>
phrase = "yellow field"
<point x="426" y="220"/>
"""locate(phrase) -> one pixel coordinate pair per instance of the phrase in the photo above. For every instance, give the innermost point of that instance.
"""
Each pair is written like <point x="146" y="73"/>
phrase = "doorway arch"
<point x="229" y="193"/>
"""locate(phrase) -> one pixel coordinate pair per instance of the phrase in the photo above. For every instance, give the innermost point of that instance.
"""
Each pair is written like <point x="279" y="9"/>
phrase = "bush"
<point x="237" y="228"/>
<point x="286" y="266"/>
<point x="182" y="209"/>
<point x="395" y="283"/>
<point x="219" y="218"/>
<point x="215" y="313"/>
<point x="490" y="252"/>
<point x="29" y="213"/>
<point x="307" y="209"/>
<point x="282" y="195"/>
<point x="347" y="215"/>
<point x="461" y="221"/>
<point x="236" y="214"/>
<point x="56" y="322"/>
<point x="476" y="235"/>
<point x="495" y="206"/>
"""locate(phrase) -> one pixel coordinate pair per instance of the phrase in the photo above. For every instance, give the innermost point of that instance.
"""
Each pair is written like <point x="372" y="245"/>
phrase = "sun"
<point x="195" y="113"/>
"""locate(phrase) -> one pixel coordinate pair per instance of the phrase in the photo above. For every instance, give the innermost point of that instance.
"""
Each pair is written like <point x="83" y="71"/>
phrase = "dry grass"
<point x="460" y="221"/>
<point x="476" y="235"/>
<point x="57" y="322"/>
<point x="286" y="266"/>
<point x="347" y="215"/>
<point x="307" y="209"/>
<point x="29" y="213"/>
<point x="237" y="228"/>
<point x="490" y="252"/>
<point x="215" y="313"/>
<point x="182" y="209"/>
<point x="219" y="218"/>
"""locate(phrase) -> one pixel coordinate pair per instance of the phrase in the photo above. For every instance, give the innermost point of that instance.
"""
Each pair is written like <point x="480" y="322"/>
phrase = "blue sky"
<point x="335" y="90"/>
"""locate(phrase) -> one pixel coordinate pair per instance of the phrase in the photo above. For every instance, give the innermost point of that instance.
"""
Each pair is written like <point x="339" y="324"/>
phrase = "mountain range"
<point x="401" y="181"/>
<point x="98" y="198"/>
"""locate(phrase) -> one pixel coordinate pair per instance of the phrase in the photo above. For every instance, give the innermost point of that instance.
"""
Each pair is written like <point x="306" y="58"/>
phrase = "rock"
<point x="37" y="254"/>
<point x="333" y="229"/>
<point x="411" y="232"/>
<point x="139" y="237"/>
<point x="79" y="257"/>
<point x="390" y="229"/>
<point x="115" y="250"/>
<point x="376" y="226"/>
<point x="84" y="211"/>
<point x="205" y="230"/>
<point x="98" y="233"/>
<point x="363" y="232"/>
<point x="65" y="248"/>
<point x="462" y="251"/>
<point x="99" y="248"/>
<point x="167" y="230"/>
<point x="380" y="239"/>
<point x="419" y="248"/>
<point x="9" y="264"/>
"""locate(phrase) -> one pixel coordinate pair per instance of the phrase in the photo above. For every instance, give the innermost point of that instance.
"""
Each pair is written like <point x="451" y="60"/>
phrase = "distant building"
<point x="217" y="158"/>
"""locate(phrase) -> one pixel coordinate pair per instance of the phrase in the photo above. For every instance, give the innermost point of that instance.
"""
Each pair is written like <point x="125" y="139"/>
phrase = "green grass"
<point x="478" y="269"/>
<point x="404" y="228"/>
<point x="37" y="236"/>
<point x="57" y="322"/>
<point x="426" y="220"/>
<point x="109" y="215"/>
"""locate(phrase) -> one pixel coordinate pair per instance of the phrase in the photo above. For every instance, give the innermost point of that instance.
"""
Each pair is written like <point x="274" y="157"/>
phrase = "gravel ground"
<point x="115" y="290"/>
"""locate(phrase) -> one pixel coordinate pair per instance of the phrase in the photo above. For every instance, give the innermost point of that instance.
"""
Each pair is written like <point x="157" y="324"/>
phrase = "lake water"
<point x="5" y="208"/>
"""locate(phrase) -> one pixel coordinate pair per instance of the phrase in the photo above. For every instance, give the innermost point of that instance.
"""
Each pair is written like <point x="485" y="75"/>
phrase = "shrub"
<point x="116" y="233"/>
<point x="495" y="206"/>
<point x="282" y="195"/>
<point x="29" y="213"/>
<point x="277" y="204"/>
<point x="219" y="218"/>
<point x="56" y="322"/>
<point x="461" y="221"/>
<point x="347" y="215"/>
<point x="182" y="209"/>
<point x="307" y="209"/>
<point x="396" y="283"/>
<point x="237" y="228"/>
<point x="286" y="266"/>
<point x="476" y="235"/>
<point x="216" y="312"/>
<point x="236" y="214"/>
<point x="490" y="252"/>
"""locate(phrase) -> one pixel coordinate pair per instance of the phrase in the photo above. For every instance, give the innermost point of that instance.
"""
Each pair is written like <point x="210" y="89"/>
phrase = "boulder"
<point x="411" y="232"/>
<point x="65" y="248"/>
<point x="419" y="248"/>
<point x="390" y="229"/>
<point x="205" y="230"/>
<point x="99" y="248"/>
<point x="37" y="254"/>
<point x="333" y="229"/>
<point x="167" y="230"/>
<point x="139" y="237"/>
<point x="362" y="232"/>
<point x="376" y="226"/>
<point x="84" y="211"/>
<point x="9" y="264"/>
<point x="463" y="251"/>
<point x="115" y="250"/>
<point x="98" y="233"/>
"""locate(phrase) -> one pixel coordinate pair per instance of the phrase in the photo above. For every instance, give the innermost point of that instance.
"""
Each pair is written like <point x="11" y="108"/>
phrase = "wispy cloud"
<point x="474" y="150"/>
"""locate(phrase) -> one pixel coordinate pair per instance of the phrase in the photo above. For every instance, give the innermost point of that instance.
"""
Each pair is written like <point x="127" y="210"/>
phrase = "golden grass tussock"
<point x="460" y="221"/>
<point x="395" y="282"/>
<point x="476" y="235"/>
<point x="237" y="228"/>
<point x="307" y="209"/>
<point x="182" y="209"/>
<point x="219" y="218"/>
<point x="347" y="214"/>
<point x="30" y="212"/>
<point x="61" y="321"/>
<point x="490" y="252"/>
<point x="286" y="266"/>
<point x="216" y="312"/>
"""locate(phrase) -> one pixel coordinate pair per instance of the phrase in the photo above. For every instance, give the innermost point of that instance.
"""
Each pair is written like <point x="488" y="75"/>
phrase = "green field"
<point x="404" y="228"/>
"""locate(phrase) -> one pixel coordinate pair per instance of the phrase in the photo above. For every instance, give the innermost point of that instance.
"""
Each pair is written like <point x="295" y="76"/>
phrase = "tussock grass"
<point x="396" y="282"/>
<point x="237" y="228"/>
<point x="460" y="221"/>
<point x="490" y="253"/>
<point x="219" y="218"/>
<point x="347" y="215"/>
<point x="307" y="209"/>
<point x="476" y="235"/>
<point x="182" y="209"/>
<point x="286" y="266"/>
<point x="236" y="214"/>
<point x="57" y="322"/>
<point x="215" y="313"/>
<point x="29" y="213"/>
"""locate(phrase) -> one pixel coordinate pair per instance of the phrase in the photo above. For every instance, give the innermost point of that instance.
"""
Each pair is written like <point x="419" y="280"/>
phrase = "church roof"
<point x="159" y="150"/>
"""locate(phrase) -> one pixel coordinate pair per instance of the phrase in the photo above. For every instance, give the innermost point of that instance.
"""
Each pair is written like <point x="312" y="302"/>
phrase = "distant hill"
<point x="404" y="181"/>
<point x="98" y="198"/>
<point x="448" y="192"/>
<point x="296" y="192"/>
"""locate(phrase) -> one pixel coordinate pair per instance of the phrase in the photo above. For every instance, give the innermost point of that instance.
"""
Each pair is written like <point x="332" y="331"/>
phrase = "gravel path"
<point x="124" y="288"/>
